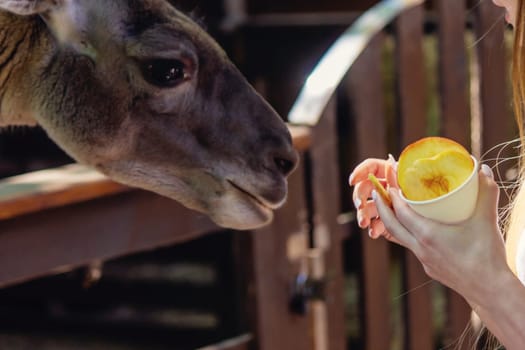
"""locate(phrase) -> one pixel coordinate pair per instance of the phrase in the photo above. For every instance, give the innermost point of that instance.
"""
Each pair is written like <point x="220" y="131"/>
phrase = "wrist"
<point x="491" y="288"/>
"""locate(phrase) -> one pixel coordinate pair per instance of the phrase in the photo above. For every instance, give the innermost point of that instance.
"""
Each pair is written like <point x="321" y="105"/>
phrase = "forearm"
<point x="501" y="306"/>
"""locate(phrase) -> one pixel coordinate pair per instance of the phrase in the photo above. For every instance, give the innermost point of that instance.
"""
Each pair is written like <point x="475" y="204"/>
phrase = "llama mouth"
<point x="253" y="198"/>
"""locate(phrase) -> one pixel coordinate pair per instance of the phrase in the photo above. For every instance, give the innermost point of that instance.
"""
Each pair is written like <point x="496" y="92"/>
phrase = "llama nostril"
<point x="284" y="165"/>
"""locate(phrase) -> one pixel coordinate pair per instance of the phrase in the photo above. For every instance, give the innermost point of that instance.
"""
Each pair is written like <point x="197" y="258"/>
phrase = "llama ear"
<point x="68" y="22"/>
<point x="65" y="18"/>
<point x="28" y="7"/>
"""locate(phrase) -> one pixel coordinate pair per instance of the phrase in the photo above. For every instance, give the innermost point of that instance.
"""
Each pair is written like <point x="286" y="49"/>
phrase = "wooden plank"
<point x="453" y="71"/>
<point x="318" y="309"/>
<point x="365" y="85"/>
<point x="412" y="94"/>
<point x="327" y="235"/>
<point x="497" y="122"/>
<point x="63" y="238"/>
<point x="377" y="308"/>
<point x="412" y="107"/>
<point x="455" y="118"/>
<point x="270" y="259"/>
<point x="239" y="343"/>
<point x="276" y="254"/>
<point x="52" y="188"/>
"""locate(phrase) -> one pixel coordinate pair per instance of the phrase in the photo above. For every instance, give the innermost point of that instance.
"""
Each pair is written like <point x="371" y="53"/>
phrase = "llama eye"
<point x="164" y="73"/>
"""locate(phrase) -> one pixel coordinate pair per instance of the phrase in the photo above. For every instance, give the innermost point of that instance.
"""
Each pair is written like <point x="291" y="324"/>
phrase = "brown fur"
<point x="210" y="142"/>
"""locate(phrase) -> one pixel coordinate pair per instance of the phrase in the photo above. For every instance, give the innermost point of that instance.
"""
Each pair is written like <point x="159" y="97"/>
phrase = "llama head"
<point x="139" y="91"/>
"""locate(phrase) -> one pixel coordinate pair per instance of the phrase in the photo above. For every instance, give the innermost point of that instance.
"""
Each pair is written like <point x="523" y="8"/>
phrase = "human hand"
<point x="462" y="256"/>
<point x="385" y="171"/>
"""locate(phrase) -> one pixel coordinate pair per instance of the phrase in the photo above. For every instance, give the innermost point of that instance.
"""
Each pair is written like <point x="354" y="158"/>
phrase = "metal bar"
<point x="240" y="343"/>
<point x="327" y="75"/>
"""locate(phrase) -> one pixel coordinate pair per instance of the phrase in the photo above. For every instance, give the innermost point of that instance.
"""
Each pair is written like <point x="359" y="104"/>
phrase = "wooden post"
<point x="497" y="122"/>
<point x="366" y="100"/>
<point x="274" y="257"/>
<point x="320" y="331"/>
<point x="412" y="108"/>
<point x="456" y="121"/>
<point x="326" y="205"/>
<point x="453" y="72"/>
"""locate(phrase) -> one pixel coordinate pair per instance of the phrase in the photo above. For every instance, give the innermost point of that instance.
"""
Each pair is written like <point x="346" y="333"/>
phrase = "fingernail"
<point x="374" y="195"/>
<point x="392" y="161"/>
<point x="373" y="234"/>
<point x="358" y="202"/>
<point x="350" y="179"/>
<point x="487" y="171"/>
<point x="359" y="218"/>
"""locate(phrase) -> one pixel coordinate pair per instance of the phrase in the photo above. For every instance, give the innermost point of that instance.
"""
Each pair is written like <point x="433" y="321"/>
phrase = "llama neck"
<point x="22" y="44"/>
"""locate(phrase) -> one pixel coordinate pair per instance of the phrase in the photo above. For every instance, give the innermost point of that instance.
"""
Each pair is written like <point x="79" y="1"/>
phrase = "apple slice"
<point x="380" y="189"/>
<point x="432" y="167"/>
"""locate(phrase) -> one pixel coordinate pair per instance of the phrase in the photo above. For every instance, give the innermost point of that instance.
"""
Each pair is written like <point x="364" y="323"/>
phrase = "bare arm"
<point x="502" y="308"/>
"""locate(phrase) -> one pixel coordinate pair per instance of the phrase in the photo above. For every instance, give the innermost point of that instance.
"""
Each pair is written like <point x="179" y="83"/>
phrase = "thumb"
<point x="488" y="195"/>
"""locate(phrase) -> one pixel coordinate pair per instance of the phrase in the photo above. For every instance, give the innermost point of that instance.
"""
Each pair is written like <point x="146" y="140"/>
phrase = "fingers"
<point x="366" y="214"/>
<point x="412" y="221"/>
<point x="368" y="166"/>
<point x="384" y="170"/>
<point x="376" y="229"/>
<point x="391" y="173"/>
<point x="391" y="238"/>
<point x="488" y="195"/>
<point x="397" y="231"/>
<point x="362" y="191"/>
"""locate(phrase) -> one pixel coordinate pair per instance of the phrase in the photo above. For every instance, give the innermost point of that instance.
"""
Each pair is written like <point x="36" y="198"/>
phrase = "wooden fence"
<point x="379" y="110"/>
<point x="308" y="255"/>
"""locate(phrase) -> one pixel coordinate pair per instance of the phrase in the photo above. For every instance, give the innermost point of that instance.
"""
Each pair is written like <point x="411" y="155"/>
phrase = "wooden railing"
<point x="74" y="216"/>
<point x="60" y="219"/>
